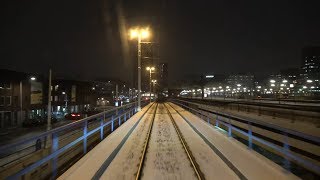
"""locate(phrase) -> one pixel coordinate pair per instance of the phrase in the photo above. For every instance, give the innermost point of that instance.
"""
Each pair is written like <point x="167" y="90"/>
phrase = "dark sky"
<point x="82" y="39"/>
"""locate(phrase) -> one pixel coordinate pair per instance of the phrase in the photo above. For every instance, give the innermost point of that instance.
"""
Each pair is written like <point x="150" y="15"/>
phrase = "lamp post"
<point x="154" y="81"/>
<point x="48" y="139"/>
<point x="150" y="69"/>
<point x="139" y="33"/>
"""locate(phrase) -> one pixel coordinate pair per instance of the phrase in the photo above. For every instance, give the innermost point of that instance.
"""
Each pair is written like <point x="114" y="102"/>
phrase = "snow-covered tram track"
<point x="167" y="155"/>
<point x="214" y="149"/>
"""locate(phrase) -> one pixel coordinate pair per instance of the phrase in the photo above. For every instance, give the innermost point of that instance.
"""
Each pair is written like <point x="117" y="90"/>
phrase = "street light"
<point x="139" y="34"/>
<point x="150" y="69"/>
<point x="33" y="78"/>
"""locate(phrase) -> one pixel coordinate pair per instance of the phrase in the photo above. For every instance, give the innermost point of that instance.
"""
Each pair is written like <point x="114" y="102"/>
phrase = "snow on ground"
<point x="210" y="163"/>
<point x="251" y="164"/>
<point x="298" y="125"/>
<point x="87" y="166"/>
<point x="125" y="164"/>
<point x="166" y="158"/>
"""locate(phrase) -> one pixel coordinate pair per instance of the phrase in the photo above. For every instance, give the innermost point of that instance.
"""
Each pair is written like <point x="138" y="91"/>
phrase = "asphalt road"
<point x="18" y="133"/>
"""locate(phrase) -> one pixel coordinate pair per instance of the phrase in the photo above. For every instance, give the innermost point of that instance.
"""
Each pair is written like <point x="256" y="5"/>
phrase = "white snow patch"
<point x="87" y="166"/>
<point x="166" y="158"/>
<point x="210" y="163"/>
<point x="125" y="164"/>
<point x="250" y="163"/>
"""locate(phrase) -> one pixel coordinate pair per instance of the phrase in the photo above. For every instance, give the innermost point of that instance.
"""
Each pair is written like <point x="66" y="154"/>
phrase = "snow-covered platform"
<point x="163" y="141"/>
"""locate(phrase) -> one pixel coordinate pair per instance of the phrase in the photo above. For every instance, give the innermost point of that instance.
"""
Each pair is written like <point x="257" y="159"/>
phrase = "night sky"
<point x="83" y="39"/>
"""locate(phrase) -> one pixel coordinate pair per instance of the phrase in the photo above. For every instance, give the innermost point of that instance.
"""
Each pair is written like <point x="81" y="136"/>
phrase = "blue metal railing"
<point x="287" y="133"/>
<point x="99" y="120"/>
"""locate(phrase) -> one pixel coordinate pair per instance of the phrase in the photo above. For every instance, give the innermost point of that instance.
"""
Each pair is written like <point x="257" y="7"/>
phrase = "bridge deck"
<point x="163" y="141"/>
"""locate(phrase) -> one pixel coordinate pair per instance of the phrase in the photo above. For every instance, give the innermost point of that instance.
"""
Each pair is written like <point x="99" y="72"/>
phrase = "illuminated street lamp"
<point x="309" y="81"/>
<point x="139" y="34"/>
<point x="33" y="78"/>
<point x="154" y="81"/>
<point x="150" y="69"/>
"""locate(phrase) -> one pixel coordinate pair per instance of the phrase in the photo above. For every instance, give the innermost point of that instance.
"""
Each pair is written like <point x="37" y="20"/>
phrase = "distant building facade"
<point x="310" y="64"/>
<point x="21" y="97"/>
<point x="245" y="80"/>
<point x="162" y="76"/>
<point x="24" y="96"/>
<point x="71" y="96"/>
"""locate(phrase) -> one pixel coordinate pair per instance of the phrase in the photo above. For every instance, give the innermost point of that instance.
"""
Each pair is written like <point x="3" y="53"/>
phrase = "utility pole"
<point x="20" y="101"/>
<point x="49" y="103"/>
<point x="117" y="97"/>
<point x="150" y="84"/>
<point x="139" y="73"/>
<point x="48" y="138"/>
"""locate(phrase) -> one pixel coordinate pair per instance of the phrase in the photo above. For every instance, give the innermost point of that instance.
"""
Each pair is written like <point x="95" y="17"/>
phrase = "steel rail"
<point x="215" y="150"/>
<point x="193" y="162"/>
<point x="139" y="172"/>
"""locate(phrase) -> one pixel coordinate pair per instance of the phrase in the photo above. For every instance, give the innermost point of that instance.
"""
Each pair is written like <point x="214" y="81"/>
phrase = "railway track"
<point x="193" y="163"/>
<point x="168" y="143"/>
<point x="215" y="150"/>
<point x="138" y="176"/>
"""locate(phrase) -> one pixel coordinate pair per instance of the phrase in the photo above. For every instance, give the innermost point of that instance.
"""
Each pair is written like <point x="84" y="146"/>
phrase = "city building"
<point x="162" y="77"/>
<point x="70" y="96"/>
<point x="245" y="80"/>
<point x="24" y="96"/>
<point x="310" y="63"/>
<point x="21" y="97"/>
<point x="112" y="91"/>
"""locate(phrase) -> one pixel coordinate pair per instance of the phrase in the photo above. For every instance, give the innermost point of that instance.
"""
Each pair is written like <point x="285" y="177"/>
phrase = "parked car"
<point x="73" y="116"/>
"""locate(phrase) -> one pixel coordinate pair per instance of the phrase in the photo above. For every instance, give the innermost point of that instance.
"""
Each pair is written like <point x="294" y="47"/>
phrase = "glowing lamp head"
<point x="134" y="33"/>
<point x="141" y="33"/>
<point x="150" y="68"/>
<point x="144" y="33"/>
